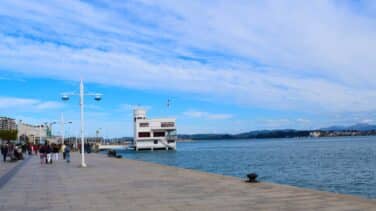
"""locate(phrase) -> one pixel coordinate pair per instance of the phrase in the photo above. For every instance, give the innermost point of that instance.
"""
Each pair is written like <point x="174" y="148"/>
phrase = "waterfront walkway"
<point x="121" y="184"/>
<point x="7" y="171"/>
<point x="5" y="167"/>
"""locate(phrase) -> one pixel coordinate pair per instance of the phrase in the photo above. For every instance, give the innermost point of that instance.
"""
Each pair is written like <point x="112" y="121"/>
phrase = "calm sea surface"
<point x="342" y="165"/>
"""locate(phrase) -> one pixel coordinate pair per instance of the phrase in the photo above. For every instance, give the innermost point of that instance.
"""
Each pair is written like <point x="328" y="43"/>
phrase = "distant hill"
<point x="206" y="136"/>
<point x="357" y="127"/>
<point x="363" y="129"/>
<point x="288" y="133"/>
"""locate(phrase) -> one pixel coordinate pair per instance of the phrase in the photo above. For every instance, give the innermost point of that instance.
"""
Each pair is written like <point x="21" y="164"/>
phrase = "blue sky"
<point x="226" y="66"/>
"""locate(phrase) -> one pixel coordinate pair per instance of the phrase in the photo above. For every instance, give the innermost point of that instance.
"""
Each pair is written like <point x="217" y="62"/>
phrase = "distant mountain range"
<point x="364" y="129"/>
<point x="288" y="133"/>
<point x="357" y="127"/>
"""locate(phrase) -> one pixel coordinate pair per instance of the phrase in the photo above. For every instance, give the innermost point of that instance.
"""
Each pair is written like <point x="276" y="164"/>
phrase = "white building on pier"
<point x="153" y="134"/>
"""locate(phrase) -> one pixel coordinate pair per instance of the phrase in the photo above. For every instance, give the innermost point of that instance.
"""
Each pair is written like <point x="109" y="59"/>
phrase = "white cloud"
<point x="367" y="121"/>
<point x="284" y="123"/>
<point x="27" y="104"/>
<point x="276" y="123"/>
<point x="206" y="115"/>
<point x="10" y="102"/>
<point x="48" y="105"/>
<point x="130" y="107"/>
<point x="315" y="56"/>
<point x="303" y="121"/>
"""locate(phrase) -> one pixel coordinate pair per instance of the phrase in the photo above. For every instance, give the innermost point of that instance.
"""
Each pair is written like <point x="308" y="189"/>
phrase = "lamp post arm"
<point x="70" y="93"/>
<point x="93" y="94"/>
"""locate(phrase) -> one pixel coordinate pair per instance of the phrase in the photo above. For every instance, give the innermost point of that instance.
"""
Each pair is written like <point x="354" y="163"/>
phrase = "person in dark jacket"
<point x="29" y="149"/>
<point x="4" y="151"/>
<point x="42" y="154"/>
<point x="55" y="152"/>
<point x="67" y="153"/>
<point x="23" y="148"/>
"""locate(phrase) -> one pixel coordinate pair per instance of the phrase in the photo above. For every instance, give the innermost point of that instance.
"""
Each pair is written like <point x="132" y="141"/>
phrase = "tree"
<point x="8" y="135"/>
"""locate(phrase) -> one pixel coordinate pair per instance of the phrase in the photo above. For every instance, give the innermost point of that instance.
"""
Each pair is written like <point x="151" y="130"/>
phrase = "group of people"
<point x="47" y="152"/>
<point x="88" y="147"/>
<point x="12" y="151"/>
<point x="50" y="152"/>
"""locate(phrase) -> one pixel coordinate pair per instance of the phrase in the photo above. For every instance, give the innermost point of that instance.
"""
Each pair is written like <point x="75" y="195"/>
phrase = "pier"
<point x="122" y="184"/>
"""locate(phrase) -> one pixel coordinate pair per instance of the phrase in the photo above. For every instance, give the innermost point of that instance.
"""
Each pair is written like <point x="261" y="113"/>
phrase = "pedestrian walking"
<point x="42" y="154"/>
<point x="4" y="151"/>
<point x="29" y="149"/>
<point x="63" y="150"/>
<point x="23" y="148"/>
<point x="49" y="154"/>
<point x="55" y="152"/>
<point x="67" y="153"/>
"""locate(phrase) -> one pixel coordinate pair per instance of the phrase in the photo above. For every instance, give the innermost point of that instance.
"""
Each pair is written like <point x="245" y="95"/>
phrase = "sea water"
<point x="343" y="165"/>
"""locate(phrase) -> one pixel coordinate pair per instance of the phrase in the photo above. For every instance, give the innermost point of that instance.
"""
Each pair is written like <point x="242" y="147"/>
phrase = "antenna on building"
<point x="168" y="103"/>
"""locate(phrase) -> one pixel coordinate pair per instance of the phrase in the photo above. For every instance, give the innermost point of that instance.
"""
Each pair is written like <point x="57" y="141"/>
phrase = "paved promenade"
<point x="120" y="184"/>
<point x="5" y="167"/>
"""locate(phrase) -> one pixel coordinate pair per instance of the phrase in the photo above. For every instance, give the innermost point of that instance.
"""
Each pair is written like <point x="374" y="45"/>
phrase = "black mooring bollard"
<point x="252" y="177"/>
<point x="111" y="153"/>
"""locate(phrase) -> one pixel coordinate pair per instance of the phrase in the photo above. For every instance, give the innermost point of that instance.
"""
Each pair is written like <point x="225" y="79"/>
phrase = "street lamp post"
<point x="82" y="129"/>
<point x="40" y="134"/>
<point x="97" y="133"/>
<point x="63" y="123"/>
<point x="76" y="143"/>
<point x="97" y="97"/>
<point x="49" y="128"/>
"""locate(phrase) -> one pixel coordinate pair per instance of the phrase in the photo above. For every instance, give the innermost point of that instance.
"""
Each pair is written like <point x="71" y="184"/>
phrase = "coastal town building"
<point x="7" y="123"/>
<point x="315" y="134"/>
<point x="153" y="133"/>
<point x="30" y="132"/>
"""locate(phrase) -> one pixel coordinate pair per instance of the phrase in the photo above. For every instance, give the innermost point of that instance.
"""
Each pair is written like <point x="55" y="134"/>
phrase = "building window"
<point x="171" y="133"/>
<point x="155" y="141"/>
<point x="143" y="134"/>
<point x="144" y="124"/>
<point x="159" y="134"/>
<point x="167" y="124"/>
<point x="170" y="141"/>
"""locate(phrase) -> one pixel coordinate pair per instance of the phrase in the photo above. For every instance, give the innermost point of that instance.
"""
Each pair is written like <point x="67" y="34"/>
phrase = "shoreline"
<point x="244" y="178"/>
<point x="281" y="138"/>
<point x="221" y="158"/>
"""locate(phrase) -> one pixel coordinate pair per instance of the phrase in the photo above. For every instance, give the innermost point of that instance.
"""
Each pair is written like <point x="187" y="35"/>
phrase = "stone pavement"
<point x="8" y="170"/>
<point x="5" y="167"/>
<point x="121" y="184"/>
